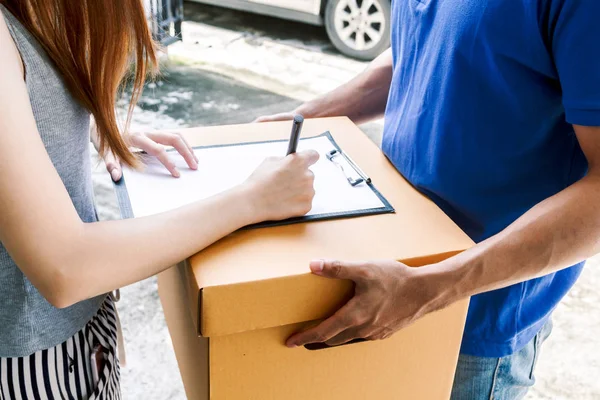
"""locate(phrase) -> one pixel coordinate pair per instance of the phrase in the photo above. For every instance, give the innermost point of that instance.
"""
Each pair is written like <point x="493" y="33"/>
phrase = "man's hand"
<point x="285" y="116"/>
<point x="388" y="296"/>
<point x="362" y="99"/>
<point x="154" y="144"/>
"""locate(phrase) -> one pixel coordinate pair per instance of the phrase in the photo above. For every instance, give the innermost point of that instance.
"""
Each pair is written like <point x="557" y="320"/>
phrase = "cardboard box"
<point x="231" y="307"/>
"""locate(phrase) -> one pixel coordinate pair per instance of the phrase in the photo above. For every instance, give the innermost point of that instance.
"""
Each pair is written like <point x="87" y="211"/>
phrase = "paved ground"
<point x="267" y="66"/>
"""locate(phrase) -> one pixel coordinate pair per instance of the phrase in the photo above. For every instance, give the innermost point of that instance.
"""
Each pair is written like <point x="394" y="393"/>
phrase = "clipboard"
<point x="157" y="185"/>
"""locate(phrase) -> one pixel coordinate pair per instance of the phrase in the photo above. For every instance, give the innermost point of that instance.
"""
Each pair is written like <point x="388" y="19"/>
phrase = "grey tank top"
<point x="28" y="323"/>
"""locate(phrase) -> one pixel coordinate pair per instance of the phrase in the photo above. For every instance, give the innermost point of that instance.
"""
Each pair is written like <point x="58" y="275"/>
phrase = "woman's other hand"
<point x="154" y="144"/>
<point x="282" y="188"/>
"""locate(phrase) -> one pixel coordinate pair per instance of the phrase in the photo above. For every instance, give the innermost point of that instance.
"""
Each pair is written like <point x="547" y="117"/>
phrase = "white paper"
<point x="153" y="190"/>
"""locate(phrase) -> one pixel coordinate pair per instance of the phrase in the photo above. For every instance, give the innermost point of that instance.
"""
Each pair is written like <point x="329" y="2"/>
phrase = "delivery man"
<point x="493" y="112"/>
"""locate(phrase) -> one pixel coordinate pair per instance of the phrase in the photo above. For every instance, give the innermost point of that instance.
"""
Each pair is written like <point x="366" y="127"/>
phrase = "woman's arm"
<point x="68" y="260"/>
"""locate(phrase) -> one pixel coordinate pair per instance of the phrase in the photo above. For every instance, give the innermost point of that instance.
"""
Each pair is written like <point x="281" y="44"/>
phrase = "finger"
<point x="308" y="157"/>
<point x="187" y="143"/>
<point x="189" y="146"/>
<point x="112" y="166"/>
<point x="380" y="334"/>
<point x="346" y="336"/>
<point x="178" y="143"/>
<point x="355" y="271"/>
<point x="332" y="326"/>
<point x="276" y="117"/>
<point x="264" y="118"/>
<point x="156" y="150"/>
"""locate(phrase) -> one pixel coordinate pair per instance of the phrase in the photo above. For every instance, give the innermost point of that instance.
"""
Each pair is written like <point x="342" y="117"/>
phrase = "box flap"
<point x="260" y="278"/>
<point x="278" y="301"/>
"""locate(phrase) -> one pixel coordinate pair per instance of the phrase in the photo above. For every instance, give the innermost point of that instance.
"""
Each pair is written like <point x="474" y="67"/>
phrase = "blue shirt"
<point x="479" y="117"/>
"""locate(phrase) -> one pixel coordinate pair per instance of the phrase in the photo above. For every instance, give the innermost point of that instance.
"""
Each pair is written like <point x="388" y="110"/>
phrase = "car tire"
<point x="347" y="20"/>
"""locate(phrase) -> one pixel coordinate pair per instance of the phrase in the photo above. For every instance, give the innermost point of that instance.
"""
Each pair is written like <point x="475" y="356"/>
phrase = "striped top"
<point x="67" y="371"/>
<point x="28" y="323"/>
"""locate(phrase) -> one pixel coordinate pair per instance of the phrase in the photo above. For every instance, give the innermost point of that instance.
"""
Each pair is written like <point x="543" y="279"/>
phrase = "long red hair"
<point x="93" y="43"/>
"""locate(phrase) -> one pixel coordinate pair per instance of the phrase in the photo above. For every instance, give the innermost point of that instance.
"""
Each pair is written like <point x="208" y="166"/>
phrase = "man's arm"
<point x="555" y="234"/>
<point x="362" y="99"/>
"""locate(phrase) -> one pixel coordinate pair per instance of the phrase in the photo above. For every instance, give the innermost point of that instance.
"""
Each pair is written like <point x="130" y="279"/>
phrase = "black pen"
<point x="295" y="136"/>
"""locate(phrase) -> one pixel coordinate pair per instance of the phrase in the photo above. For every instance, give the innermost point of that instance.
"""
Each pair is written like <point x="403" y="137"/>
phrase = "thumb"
<point x="113" y="167"/>
<point x="114" y="171"/>
<point x="309" y="157"/>
<point x="276" y="117"/>
<point x="264" y="118"/>
<point x="335" y="269"/>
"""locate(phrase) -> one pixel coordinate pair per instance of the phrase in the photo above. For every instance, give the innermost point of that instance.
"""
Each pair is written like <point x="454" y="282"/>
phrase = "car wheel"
<point x="359" y="28"/>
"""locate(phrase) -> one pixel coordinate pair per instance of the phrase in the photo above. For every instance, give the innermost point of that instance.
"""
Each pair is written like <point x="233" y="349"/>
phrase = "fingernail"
<point x="317" y="266"/>
<point x="114" y="174"/>
<point x="176" y="173"/>
<point x="291" y="345"/>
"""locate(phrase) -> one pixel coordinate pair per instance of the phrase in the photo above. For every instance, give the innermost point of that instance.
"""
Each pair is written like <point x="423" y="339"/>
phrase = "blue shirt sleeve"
<point x="575" y="45"/>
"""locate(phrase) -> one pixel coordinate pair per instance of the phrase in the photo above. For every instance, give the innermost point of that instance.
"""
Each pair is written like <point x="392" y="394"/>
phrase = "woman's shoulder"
<point x="10" y="58"/>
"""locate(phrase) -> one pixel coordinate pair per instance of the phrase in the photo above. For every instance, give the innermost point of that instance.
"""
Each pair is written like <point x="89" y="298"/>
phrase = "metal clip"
<point x="352" y="181"/>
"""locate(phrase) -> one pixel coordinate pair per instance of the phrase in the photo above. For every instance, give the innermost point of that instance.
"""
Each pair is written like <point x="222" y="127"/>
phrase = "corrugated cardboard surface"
<point x="191" y="350"/>
<point x="415" y="364"/>
<point x="248" y="292"/>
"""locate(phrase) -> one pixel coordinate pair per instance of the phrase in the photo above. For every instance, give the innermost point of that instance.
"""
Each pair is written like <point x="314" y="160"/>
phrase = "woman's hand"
<point x="282" y="188"/>
<point x="154" y="144"/>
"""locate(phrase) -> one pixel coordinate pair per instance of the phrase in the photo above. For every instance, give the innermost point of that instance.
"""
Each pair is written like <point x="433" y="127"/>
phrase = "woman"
<point x="60" y="61"/>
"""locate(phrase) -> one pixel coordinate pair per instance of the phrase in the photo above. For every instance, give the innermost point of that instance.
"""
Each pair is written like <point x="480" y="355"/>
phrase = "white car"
<point x="357" y="28"/>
